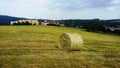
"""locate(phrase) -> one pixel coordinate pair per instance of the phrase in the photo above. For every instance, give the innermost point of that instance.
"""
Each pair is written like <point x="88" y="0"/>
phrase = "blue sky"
<point x="61" y="9"/>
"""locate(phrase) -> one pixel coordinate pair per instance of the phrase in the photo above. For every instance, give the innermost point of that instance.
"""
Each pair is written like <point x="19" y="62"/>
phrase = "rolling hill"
<point x="7" y="19"/>
<point x="35" y="47"/>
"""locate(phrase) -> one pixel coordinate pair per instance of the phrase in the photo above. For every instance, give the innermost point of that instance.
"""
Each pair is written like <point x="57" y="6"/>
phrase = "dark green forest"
<point x="4" y="23"/>
<point x="95" y="25"/>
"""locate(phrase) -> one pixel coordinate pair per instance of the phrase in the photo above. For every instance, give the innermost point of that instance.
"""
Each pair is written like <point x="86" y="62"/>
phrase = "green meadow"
<point x="36" y="47"/>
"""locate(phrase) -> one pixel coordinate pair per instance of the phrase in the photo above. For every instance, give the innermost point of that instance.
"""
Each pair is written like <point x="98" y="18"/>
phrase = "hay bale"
<point x="71" y="41"/>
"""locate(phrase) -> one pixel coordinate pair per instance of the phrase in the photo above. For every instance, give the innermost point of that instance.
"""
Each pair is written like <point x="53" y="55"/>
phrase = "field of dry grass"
<point x="35" y="47"/>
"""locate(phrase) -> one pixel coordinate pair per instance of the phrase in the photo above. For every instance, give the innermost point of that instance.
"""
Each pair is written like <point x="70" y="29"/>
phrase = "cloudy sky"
<point x="61" y="9"/>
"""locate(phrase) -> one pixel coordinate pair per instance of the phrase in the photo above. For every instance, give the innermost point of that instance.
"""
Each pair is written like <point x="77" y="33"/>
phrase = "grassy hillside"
<point x="35" y="47"/>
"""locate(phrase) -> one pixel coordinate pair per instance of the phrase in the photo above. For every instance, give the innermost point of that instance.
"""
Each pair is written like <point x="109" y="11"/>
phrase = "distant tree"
<point x="15" y="24"/>
<point x="19" y="23"/>
<point x="34" y="24"/>
<point x="62" y="22"/>
<point x="27" y="23"/>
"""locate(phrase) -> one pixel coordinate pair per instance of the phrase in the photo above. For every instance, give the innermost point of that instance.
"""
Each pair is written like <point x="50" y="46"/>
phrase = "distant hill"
<point x="7" y="19"/>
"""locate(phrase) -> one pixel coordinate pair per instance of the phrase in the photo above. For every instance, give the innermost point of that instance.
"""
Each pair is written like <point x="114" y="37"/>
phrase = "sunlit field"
<point x="36" y="47"/>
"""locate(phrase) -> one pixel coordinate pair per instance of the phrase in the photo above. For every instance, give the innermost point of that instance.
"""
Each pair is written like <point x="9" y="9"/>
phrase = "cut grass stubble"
<point x="35" y="46"/>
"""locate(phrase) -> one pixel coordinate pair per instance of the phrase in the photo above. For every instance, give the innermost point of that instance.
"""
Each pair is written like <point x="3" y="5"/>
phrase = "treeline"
<point x="4" y="23"/>
<point x="23" y="23"/>
<point x="95" y="25"/>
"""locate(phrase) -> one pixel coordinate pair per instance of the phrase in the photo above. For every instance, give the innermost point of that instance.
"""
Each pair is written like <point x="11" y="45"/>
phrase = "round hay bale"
<point x="71" y="41"/>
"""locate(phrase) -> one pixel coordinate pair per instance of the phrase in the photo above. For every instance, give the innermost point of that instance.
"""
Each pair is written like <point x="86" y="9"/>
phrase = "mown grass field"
<point x="35" y="47"/>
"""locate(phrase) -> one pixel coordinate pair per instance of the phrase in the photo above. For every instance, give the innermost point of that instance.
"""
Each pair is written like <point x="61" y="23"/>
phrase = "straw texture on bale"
<point x="71" y="41"/>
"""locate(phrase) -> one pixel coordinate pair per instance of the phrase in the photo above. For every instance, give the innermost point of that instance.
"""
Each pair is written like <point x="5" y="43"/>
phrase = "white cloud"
<point x="81" y="4"/>
<point x="26" y="8"/>
<point x="116" y="2"/>
<point x="111" y="8"/>
<point x="65" y="8"/>
<point x="114" y="5"/>
<point x="37" y="3"/>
